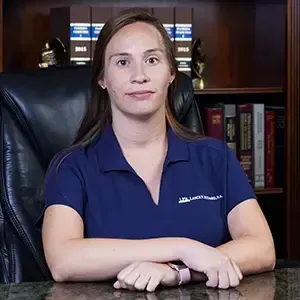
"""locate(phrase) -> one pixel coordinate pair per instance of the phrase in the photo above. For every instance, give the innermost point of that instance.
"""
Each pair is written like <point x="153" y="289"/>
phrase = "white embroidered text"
<point x="199" y="197"/>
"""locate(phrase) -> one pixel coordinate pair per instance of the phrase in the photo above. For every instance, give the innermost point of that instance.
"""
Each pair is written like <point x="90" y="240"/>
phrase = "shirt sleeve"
<point x="62" y="185"/>
<point x="238" y="187"/>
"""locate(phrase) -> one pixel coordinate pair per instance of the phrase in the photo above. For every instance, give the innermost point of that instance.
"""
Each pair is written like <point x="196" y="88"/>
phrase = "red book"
<point x="214" y="122"/>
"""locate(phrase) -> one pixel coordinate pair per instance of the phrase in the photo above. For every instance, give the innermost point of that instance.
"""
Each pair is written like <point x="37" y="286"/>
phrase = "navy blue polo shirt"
<point x="202" y="181"/>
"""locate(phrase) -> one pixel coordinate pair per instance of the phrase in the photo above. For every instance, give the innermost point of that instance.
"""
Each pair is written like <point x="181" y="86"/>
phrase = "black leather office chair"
<point x="40" y="112"/>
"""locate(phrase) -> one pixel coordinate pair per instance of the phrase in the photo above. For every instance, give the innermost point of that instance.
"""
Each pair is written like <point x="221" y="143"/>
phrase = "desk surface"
<point x="280" y="284"/>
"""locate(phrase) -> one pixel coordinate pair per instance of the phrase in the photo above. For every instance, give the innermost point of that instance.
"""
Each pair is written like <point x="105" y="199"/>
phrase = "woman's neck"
<point x="140" y="134"/>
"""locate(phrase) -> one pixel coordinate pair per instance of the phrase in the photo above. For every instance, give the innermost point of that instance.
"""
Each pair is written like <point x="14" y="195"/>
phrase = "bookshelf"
<point x="252" y="50"/>
<point x="250" y="90"/>
<point x="269" y="191"/>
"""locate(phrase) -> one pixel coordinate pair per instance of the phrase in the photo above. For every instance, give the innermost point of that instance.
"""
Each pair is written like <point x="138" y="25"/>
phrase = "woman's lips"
<point x="141" y="95"/>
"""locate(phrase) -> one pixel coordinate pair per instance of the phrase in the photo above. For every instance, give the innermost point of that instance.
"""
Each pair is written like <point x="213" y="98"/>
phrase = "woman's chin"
<point x="142" y="114"/>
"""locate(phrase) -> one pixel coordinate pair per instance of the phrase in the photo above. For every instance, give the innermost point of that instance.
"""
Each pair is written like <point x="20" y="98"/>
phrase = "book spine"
<point x="167" y="16"/>
<point x="230" y="126"/>
<point x="280" y="146"/>
<point x="214" y="122"/>
<point x="279" y="143"/>
<point x="99" y="16"/>
<point x="183" y="38"/>
<point x="80" y="34"/>
<point x="244" y="118"/>
<point x="258" y="145"/>
<point x="270" y="148"/>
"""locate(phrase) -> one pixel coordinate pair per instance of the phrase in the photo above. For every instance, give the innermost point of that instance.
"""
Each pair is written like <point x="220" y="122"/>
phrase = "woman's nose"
<point x="139" y="74"/>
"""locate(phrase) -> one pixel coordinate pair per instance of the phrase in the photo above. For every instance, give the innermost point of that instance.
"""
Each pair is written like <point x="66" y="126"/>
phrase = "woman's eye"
<point x="152" y="60"/>
<point x="122" y="62"/>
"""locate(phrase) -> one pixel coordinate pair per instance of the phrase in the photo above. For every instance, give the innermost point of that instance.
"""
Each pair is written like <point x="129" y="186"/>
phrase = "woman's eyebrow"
<point x="153" y="50"/>
<point x="119" y="54"/>
<point x="129" y="54"/>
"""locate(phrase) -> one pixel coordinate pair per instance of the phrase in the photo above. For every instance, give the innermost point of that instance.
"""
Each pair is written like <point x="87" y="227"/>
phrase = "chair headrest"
<point x="48" y="104"/>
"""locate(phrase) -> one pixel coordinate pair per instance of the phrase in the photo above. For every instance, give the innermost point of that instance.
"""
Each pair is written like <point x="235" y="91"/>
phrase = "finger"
<point x="122" y="284"/>
<point x="237" y="269"/>
<point x="153" y="282"/>
<point x="117" y="285"/>
<point x="141" y="282"/>
<point x="123" y="273"/>
<point x="213" y="280"/>
<point x="234" y="279"/>
<point x="224" y="282"/>
<point x="233" y="276"/>
<point x="131" y="278"/>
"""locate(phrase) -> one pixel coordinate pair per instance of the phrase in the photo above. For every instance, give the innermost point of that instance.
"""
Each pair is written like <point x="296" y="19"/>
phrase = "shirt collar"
<point x="111" y="158"/>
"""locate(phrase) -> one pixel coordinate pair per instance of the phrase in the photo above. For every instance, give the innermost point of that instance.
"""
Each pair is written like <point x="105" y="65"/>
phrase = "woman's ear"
<point x="172" y="77"/>
<point x="101" y="83"/>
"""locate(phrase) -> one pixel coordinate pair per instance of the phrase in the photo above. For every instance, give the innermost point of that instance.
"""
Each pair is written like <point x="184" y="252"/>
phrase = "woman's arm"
<point x="70" y="257"/>
<point x="252" y="246"/>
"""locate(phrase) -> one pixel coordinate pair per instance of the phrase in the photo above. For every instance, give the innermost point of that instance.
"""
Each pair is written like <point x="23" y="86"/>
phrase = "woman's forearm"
<point x="103" y="259"/>
<point x="251" y="254"/>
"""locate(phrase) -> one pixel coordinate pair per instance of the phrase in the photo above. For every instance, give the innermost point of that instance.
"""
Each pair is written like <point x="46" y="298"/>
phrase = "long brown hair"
<point x="98" y="110"/>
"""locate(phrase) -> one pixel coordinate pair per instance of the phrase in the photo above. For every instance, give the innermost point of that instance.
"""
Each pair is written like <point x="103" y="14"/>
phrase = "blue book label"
<point x="183" y="32"/>
<point x="170" y="30"/>
<point x="96" y="28"/>
<point x="80" y="31"/>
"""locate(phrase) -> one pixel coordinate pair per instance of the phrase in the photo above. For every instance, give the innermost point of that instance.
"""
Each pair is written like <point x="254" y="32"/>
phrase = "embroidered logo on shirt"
<point x="199" y="197"/>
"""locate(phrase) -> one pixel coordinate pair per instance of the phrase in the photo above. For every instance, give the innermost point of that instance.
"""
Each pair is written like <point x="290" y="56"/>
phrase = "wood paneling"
<point x="293" y="131"/>
<point x="1" y="35"/>
<point x="244" y="43"/>
<point x="35" y="32"/>
<point x="268" y="59"/>
<point x="12" y="49"/>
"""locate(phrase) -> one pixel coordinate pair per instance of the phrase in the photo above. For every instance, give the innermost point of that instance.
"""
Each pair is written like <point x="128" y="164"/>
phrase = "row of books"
<point x="78" y="27"/>
<point x="255" y="132"/>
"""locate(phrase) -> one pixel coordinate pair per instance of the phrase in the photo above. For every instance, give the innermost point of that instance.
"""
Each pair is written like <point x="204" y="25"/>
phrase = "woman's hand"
<point x="146" y="276"/>
<point x="220" y="270"/>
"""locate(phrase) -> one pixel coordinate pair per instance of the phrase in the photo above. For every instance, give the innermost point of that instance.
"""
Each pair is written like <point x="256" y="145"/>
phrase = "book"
<point x="99" y="16"/>
<point x="183" y="38"/>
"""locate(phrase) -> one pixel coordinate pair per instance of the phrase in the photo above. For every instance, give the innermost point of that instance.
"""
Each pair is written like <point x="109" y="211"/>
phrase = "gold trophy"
<point x="54" y="54"/>
<point x="198" y="64"/>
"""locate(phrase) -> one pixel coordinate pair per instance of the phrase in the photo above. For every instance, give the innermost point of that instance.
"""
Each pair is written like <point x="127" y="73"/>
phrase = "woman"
<point x="138" y="198"/>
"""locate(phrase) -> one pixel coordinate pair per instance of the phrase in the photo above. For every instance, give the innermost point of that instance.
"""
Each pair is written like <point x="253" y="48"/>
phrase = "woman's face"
<point x="137" y="72"/>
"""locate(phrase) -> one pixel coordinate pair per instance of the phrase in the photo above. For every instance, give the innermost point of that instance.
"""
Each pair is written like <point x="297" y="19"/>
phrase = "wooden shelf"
<point x="262" y="90"/>
<point x="268" y="191"/>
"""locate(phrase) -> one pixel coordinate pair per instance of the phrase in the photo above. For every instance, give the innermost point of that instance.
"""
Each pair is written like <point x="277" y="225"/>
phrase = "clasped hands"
<point x="206" y="264"/>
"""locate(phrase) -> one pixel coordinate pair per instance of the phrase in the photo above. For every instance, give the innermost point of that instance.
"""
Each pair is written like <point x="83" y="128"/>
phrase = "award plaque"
<point x="54" y="54"/>
<point x="198" y="64"/>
